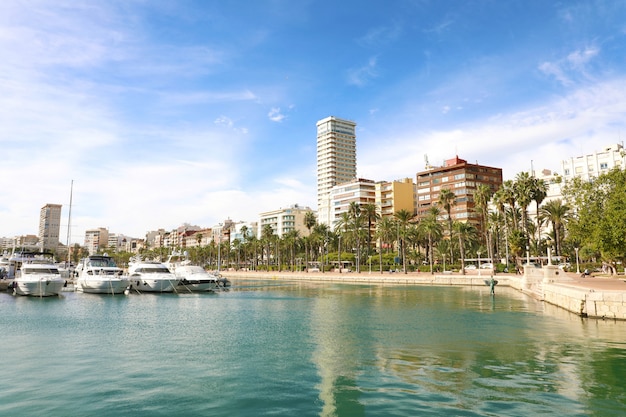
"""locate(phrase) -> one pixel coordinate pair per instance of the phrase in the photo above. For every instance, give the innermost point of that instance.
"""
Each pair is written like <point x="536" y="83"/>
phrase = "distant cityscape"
<point x="337" y="188"/>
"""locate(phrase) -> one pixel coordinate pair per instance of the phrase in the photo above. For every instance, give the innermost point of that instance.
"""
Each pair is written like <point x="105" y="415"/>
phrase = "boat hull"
<point x="153" y="284"/>
<point x="103" y="286"/>
<point x="42" y="287"/>
<point x="198" y="285"/>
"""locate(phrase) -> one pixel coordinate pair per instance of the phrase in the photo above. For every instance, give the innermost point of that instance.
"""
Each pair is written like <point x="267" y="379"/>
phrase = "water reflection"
<point x="461" y="351"/>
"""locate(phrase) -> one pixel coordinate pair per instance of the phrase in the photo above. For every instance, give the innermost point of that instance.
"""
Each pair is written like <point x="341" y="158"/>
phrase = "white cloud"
<point x="579" y="58"/>
<point x="578" y="123"/>
<point x="361" y="76"/>
<point x="571" y="68"/>
<point x="275" y="115"/>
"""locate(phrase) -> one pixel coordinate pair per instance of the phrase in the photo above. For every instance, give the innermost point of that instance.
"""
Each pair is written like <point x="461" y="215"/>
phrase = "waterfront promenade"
<point x="595" y="296"/>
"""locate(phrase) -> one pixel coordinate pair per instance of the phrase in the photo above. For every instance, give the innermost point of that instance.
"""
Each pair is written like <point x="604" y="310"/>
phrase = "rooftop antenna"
<point x="426" y="161"/>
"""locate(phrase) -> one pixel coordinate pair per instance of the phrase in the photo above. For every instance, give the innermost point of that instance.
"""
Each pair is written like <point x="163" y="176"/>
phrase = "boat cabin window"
<point x="153" y="270"/>
<point x="41" y="271"/>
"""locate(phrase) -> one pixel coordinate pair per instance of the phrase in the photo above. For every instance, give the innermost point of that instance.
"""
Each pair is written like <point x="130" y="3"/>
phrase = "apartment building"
<point x="285" y="220"/>
<point x="336" y="160"/>
<point x="96" y="239"/>
<point x="462" y="178"/>
<point x="49" y="226"/>
<point x="359" y="190"/>
<point x="592" y="165"/>
<point x="394" y="196"/>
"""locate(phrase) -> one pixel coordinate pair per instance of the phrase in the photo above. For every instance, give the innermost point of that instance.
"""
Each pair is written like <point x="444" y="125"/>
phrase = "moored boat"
<point x="35" y="276"/>
<point x="193" y="278"/>
<point x="99" y="274"/>
<point x="149" y="276"/>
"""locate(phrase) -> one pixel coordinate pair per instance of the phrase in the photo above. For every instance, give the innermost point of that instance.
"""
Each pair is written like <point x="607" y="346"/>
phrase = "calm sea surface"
<point x="302" y="349"/>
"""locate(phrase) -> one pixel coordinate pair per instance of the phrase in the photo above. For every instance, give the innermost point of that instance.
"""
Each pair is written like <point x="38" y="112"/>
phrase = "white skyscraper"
<point x="336" y="160"/>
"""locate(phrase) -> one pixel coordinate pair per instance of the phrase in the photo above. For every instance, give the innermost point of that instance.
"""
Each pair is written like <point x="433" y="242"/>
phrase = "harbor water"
<point x="273" y="348"/>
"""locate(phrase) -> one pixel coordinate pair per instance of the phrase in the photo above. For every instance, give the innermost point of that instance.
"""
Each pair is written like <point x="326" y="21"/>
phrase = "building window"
<point x="604" y="165"/>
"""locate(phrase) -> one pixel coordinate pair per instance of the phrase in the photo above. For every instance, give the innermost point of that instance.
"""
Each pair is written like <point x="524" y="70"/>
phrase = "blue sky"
<point x="166" y="112"/>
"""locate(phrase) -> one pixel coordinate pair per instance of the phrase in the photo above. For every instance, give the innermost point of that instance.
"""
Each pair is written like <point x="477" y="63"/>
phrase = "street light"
<point x="339" y="253"/>
<point x="577" y="266"/>
<point x="478" y="253"/>
<point x="527" y="255"/>
<point x="219" y="249"/>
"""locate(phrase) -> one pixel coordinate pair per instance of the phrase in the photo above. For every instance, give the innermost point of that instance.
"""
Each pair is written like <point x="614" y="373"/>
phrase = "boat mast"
<point x="69" y="222"/>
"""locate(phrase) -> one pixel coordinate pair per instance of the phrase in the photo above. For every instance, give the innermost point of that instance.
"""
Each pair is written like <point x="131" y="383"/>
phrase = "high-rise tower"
<point x="49" y="226"/>
<point x="336" y="160"/>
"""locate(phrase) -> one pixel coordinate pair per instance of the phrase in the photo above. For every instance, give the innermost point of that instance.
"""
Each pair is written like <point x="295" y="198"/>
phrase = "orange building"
<point x="462" y="179"/>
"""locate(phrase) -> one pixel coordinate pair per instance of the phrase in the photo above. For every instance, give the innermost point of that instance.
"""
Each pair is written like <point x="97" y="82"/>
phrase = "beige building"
<point x="394" y="196"/>
<point x="49" y="226"/>
<point x="336" y="160"/>
<point x="96" y="239"/>
<point x="285" y="220"/>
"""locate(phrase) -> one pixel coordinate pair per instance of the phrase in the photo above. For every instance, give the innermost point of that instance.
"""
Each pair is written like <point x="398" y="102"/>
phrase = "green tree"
<point x="431" y="227"/>
<point x="482" y="196"/>
<point x="466" y="234"/>
<point x="310" y="220"/>
<point x="267" y="236"/>
<point x="447" y="199"/>
<point x="403" y="217"/>
<point x="556" y="212"/>
<point x="369" y="212"/>
<point x="599" y="208"/>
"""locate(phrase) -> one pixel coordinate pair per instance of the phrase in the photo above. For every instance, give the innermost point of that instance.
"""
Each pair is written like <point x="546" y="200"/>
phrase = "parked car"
<point x="486" y="265"/>
<point x="470" y="267"/>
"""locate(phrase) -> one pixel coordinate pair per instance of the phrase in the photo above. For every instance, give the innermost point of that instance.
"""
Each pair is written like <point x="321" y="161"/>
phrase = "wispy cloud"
<point x="381" y="35"/>
<point x="362" y="75"/>
<point x="275" y="115"/>
<point x="542" y="134"/>
<point x="571" y="68"/>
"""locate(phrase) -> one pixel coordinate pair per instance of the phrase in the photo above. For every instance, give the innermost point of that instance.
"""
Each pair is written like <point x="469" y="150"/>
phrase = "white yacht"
<point x="148" y="276"/>
<point x="193" y="278"/>
<point x="34" y="276"/>
<point x="98" y="274"/>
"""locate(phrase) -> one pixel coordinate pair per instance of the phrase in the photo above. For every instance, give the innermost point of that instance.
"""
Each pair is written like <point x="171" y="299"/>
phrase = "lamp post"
<point x="577" y="266"/>
<point x="478" y="253"/>
<point x="339" y="253"/>
<point x="527" y="255"/>
<point x="219" y="249"/>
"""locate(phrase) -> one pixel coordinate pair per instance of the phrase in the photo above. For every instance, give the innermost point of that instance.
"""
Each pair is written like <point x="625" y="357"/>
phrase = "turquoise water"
<point x="284" y="349"/>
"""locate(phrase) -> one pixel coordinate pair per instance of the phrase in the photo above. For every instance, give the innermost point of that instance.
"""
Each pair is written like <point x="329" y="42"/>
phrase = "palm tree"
<point x="267" y="234"/>
<point x="447" y="199"/>
<point x="443" y="250"/>
<point x="354" y="212"/>
<point x="369" y="212"/>
<point x="291" y="238"/>
<point x="466" y="234"/>
<point x="523" y="190"/>
<point x="557" y="213"/>
<point x="385" y="230"/>
<point x="403" y="217"/>
<point x="320" y="238"/>
<point x="342" y="228"/>
<point x="481" y="198"/>
<point x="309" y="222"/>
<point x="506" y="195"/>
<point x="433" y="230"/>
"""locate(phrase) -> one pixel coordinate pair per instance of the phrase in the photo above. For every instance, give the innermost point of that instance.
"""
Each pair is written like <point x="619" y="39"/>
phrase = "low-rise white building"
<point x="595" y="164"/>
<point x="284" y="220"/>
